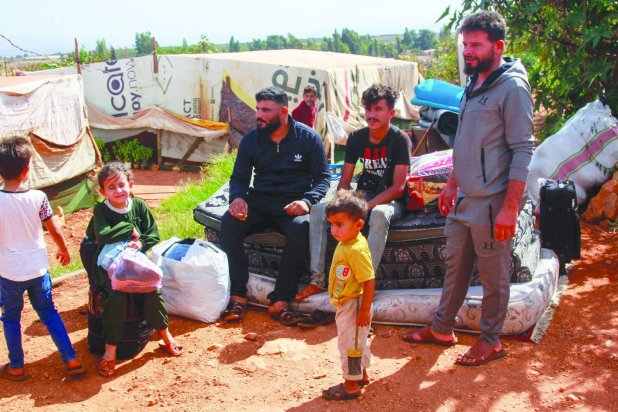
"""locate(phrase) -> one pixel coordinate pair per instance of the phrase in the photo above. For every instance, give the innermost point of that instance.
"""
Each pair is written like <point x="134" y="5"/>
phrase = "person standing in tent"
<point x="491" y="158"/>
<point x="306" y="110"/>
<point x="384" y="152"/>
<point x="290" y="175"/>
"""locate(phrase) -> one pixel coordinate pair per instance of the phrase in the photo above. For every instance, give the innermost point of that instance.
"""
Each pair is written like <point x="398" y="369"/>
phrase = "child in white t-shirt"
<point x="23" y="258"/>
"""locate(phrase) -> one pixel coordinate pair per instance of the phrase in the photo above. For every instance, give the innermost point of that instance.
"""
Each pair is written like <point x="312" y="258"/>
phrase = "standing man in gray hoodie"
<point x="491" y="157"/>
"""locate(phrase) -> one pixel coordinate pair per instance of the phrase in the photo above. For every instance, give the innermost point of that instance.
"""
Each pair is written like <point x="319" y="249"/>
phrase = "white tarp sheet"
<point x="51" y="110"/>
<point x="221" y="87"/>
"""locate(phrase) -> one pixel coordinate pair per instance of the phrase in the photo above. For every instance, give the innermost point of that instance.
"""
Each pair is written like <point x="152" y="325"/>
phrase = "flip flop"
<point x="235" y="311"/>
<point x="426" y="337"/>
<point x="173" y="349"/>
<point x="4" y="374"/>
<point x="107" y="367"/>
<point x="480" y="359"/>
<point x="337" y="393"/>
<point x="317" y="318"/>
<point x="288" y="317"/>
<point x="77" y="370"/>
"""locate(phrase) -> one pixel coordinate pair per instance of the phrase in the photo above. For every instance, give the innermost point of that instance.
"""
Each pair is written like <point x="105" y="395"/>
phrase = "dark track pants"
<point x="264" y="212"/>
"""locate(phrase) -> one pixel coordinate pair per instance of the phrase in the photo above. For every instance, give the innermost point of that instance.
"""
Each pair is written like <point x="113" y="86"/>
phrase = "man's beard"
<point x="482" y="65"/>
<point x="269" y="127"/>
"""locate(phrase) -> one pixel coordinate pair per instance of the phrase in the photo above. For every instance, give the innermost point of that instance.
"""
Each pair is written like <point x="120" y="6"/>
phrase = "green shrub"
<point x="131" y="151"/>
<point x="105" y="154"/>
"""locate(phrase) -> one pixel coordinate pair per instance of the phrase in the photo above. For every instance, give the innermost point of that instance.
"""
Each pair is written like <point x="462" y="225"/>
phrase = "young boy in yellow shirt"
<point x="351" y="288"/>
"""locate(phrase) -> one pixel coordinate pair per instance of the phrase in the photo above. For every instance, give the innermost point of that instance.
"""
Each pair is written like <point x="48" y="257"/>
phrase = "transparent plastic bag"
<point x="109" y="253"/>
<point x="133" y="272"/>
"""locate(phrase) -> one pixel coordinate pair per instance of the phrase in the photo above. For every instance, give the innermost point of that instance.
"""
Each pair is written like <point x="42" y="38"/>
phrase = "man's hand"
<point x="239" y="209"/>
<point x="446" y="200"/>
<point x="297" y="208"/>
<point x="504" y="228"/>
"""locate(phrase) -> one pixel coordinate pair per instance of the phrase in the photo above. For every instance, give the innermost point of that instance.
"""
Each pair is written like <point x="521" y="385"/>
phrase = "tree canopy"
<point x="143" y="43"/>
<point x="570" y="48"/>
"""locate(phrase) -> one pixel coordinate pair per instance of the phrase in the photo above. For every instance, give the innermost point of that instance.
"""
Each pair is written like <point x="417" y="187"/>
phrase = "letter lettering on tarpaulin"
<point x="186" y="107"/>
<point x="197" y="108"/>
<point x="283" y="75"/>
<point x="135" y="101"/>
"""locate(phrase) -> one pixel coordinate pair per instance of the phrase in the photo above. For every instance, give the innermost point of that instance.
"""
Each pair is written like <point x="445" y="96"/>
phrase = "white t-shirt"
<point x="23" y="255"/>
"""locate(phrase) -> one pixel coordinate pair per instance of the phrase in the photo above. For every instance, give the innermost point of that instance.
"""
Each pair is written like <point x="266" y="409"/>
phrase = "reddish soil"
<point x="285" y="368"/>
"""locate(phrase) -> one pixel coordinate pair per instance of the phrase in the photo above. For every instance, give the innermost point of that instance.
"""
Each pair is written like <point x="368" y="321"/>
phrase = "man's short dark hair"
<point x="15" y="155"/>
<point x="349" y="202"/>
<point x="490" y="22"/>
<point x="377" y="92"/>
<point x="274" y="94"/>
<point x="310" y="88"/>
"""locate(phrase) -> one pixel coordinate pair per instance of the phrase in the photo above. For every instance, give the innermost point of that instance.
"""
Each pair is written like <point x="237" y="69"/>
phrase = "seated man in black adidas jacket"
<point x="291" y="174"/>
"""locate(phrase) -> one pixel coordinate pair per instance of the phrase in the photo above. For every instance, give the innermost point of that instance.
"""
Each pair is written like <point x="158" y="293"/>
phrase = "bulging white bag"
<point x="197" y="286"/>
<point x="584" y="150"/>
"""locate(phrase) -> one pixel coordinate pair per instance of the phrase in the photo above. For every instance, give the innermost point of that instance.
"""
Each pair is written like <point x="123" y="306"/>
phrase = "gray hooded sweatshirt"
<point x="494" y="139"/>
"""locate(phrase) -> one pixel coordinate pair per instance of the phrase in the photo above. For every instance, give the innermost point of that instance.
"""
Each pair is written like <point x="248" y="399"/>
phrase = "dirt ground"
<point x="285" y="368"/>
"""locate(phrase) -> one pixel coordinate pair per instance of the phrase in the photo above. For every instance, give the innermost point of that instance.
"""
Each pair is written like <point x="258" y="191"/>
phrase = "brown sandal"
<point x="425" y="336"/>
<point x="107" y="367"/>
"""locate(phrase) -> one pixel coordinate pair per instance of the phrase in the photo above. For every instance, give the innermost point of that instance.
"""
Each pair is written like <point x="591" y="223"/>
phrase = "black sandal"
<point x="317" y="318"/>
<point x="288" y="317"/>
<point x="234" y="312"/>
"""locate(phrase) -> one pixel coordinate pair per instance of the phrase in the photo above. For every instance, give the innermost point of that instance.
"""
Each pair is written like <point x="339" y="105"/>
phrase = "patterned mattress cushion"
<point x="414" y="257"/>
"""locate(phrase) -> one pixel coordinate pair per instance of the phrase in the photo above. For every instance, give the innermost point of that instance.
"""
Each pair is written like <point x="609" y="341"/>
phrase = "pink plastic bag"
<point x="133" y="272"/>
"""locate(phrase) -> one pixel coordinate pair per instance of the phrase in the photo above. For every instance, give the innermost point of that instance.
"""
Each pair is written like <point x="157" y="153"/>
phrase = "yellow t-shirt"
<point x="351" y="267"/>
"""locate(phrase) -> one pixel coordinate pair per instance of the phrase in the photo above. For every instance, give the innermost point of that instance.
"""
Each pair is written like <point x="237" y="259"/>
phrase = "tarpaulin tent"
<point x="221" y="87"/>
<point x="51" y="111"/>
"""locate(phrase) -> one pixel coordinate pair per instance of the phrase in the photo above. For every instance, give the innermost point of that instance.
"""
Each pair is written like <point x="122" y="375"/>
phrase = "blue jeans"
<point x="12" y="303"/>
<point x="379" y="221"/>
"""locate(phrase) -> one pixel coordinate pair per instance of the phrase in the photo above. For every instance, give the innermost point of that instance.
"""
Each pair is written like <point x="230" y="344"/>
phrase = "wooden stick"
<point x="423" y="139"/>
<point x="77" y="59"/>
<point x="191" y="149"/>
<point x="159" y="147"/>
<point x="154" y="55"/>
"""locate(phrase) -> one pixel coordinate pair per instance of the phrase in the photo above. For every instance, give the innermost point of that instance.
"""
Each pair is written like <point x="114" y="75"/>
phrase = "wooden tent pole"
<point x="331" y="146"/>
<point x="424" y="139"/>
<point x="154" y="55"/>
<point x="77" y="59"/>
<point x="159" y="147"/>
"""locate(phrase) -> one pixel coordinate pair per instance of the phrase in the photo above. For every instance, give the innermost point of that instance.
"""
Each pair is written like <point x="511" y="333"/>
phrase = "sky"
<point x="49" y="26"/>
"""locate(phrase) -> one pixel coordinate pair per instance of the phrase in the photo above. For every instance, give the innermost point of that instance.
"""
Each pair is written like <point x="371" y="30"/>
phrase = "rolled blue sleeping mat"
<point x="438" y="94"/>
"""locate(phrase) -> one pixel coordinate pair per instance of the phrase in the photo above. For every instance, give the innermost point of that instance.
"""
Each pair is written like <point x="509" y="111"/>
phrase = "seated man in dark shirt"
<point x="291" y="175"/>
